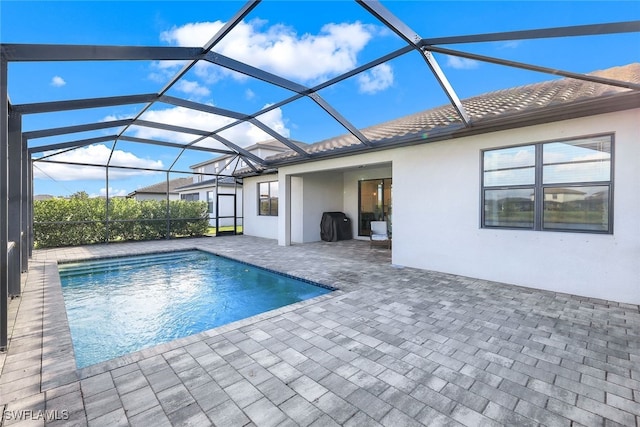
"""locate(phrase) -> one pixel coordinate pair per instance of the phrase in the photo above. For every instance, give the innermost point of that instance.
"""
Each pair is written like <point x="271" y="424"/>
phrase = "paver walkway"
<point x="394" y="346"/>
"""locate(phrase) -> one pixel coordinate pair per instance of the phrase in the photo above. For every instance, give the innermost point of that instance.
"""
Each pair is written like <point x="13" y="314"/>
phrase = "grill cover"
<point x="335" y="226"/>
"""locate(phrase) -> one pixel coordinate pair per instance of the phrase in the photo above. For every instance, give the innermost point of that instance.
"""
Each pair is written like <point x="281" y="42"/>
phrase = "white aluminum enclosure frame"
<point x="16" y="197"/>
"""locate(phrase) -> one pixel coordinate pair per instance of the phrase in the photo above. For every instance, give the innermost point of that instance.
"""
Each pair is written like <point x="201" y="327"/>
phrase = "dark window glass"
<point x="510" y="166"/>
<point x="583" y="160"/>
<point x="273" y="198"/>
<point x="374" y="205"/>
<point x="576" y="208"/>
<point x="191" y="197"/>
<point x="572" y="180"/>
<point x="509" y="208"/>
<point x="268" y="198"/>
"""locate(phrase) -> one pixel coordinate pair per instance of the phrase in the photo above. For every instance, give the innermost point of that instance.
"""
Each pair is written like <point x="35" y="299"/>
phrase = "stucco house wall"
<point x="318" y="192"/>
<point x="436" y="211"/>
<point x="437" y="216"/>
<point x="152" y="196"/>
<point x="254" y="224"/>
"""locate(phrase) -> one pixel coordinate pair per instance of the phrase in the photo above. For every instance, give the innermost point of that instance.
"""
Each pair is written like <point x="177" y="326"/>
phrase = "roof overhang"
<point x="591" y="107"/>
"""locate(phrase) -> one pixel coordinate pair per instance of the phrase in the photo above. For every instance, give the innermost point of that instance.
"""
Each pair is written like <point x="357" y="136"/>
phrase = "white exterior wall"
<point x="146" y="196"/>
<point x="436" y="212"/>
<point x="254" y="224"/>
<point x="314" y="194"/>
<point x="437" y="216"/>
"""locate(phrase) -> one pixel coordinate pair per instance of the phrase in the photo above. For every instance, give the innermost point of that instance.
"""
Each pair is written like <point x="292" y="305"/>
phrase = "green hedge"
<point x="81" y="220"/>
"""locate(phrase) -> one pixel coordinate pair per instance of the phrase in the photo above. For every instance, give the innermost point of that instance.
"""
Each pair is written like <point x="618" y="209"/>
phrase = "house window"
<point x="268" y="198"/>
<point x="191" y="197"/>
<point x="554" y="186"/>
<point x="210" y="202"/>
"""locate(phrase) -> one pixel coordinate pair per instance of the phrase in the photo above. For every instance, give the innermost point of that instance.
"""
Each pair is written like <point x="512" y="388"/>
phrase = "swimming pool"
<point x="120" y="305"/>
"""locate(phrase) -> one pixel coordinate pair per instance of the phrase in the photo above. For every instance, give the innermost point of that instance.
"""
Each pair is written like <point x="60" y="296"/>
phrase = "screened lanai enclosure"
<point x="109" y="134"/>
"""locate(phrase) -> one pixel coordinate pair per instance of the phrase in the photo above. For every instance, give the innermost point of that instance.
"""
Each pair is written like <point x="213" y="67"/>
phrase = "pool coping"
<point x="62" y="370"/>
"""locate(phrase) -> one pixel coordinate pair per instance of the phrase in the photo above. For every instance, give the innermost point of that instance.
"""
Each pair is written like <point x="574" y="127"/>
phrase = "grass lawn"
<point x="211" y="231"/>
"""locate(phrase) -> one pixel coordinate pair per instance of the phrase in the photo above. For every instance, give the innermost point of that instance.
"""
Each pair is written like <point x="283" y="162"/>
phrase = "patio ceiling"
<point x="212" y="140"/>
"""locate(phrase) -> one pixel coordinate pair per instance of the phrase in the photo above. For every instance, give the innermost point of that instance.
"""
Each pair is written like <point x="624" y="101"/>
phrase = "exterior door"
<point x="374" y="203"/>
<point x="226" y="214"/>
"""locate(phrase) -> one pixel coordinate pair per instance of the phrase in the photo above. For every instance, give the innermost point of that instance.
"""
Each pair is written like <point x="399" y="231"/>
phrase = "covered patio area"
<point x="393" y="346"/>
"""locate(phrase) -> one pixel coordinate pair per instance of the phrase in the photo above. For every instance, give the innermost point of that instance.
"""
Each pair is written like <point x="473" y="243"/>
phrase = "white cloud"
<point x="58" y="81"/>
<point x="113" y="118"/>
<point x="163" y="71"/>
<point x="274" y="120"/>
<point x="376" y="79"/>
<point x="462" y="63"/>
<point x="192" y="88"/>
<point x="513" y="44"/>
<point x="249" y="94"/>
<point x="278" y="48"/>
<point x="93" y="154"/>
<point x="243" y="134"/>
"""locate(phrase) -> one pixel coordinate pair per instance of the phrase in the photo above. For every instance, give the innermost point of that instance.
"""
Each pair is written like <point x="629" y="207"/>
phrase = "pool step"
<point x="100" y="265"/>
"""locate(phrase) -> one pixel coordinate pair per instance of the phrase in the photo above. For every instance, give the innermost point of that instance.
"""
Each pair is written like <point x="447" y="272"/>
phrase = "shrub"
<point x="81" y="220"/>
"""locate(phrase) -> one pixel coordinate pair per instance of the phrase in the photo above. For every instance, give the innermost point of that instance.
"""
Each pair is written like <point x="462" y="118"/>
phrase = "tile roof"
<point x="161" y="187"/>
<point x="512" y="102"/>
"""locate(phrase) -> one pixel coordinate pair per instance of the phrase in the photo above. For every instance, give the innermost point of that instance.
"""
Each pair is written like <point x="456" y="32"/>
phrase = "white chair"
<point x="380" y="234"/>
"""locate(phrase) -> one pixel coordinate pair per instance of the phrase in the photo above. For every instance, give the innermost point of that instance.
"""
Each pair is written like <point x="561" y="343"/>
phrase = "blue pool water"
<point x="121" y="305"/>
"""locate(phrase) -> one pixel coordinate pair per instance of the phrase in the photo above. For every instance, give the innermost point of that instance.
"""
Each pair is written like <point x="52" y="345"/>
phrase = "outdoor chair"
<point x="380" y="234"/>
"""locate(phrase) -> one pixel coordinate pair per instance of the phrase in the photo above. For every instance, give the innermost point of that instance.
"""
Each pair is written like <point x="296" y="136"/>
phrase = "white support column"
<point x="284" y="209"/>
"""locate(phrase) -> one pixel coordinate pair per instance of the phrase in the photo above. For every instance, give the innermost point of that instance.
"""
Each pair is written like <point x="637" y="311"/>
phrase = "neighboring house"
<point x="159" y="191"/>
<point x="223" y="196"/>
<point x="471" y="201"/>
<point x="225" y="191"/>
<point x="564" y="198"/>
<point x="227" y="165"/>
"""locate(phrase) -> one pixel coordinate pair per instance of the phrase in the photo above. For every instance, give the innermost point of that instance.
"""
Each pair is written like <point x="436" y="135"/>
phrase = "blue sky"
<point x="304" y="41"/>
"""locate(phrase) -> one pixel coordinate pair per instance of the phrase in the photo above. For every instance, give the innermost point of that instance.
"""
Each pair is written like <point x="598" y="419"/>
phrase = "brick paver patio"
<point x="393" y="346"/>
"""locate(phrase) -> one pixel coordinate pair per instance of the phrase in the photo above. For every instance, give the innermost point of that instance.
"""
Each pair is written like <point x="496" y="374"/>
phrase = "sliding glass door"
<point x="374" y="204"/>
